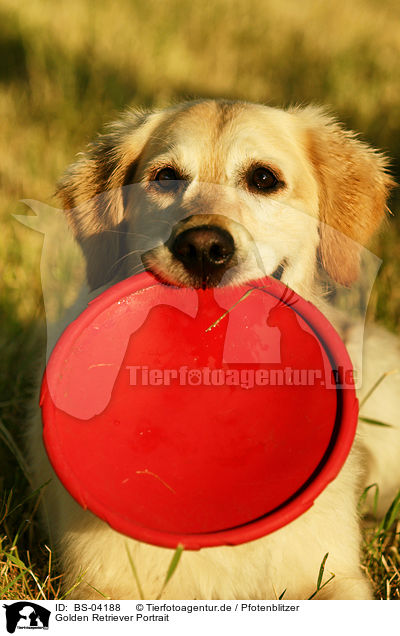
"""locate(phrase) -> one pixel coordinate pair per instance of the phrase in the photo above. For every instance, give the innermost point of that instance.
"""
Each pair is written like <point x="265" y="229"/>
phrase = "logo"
<point x="26" y="615"/>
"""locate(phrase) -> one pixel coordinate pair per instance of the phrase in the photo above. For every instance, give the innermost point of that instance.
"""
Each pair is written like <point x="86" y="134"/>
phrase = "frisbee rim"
<point x="291" y="508"/>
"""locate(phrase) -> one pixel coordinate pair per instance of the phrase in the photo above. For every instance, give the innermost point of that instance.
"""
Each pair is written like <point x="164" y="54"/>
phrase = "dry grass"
<point x="68" y="67"/>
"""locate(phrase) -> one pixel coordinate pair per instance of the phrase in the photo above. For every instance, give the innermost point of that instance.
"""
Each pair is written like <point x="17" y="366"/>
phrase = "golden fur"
<point x="331" y="198"/>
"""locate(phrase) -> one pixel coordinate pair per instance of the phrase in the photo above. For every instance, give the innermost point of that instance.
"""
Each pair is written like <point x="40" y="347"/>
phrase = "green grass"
<point x="66" y="68"/>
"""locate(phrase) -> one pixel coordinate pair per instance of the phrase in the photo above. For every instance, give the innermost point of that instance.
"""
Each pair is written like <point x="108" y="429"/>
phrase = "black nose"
<point x="204" y="250"/>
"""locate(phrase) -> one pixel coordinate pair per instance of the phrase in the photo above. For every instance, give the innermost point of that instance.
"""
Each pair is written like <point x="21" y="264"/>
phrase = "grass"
<point x="68" y="67"/>
<point x="381" y="553"/>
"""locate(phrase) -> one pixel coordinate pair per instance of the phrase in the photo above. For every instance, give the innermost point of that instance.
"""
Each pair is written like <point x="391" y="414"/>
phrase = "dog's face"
<point x="238" y="194"/>
<point x="210" y="193"/>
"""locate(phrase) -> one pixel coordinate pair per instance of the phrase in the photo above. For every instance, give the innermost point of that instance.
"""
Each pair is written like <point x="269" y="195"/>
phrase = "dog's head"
<point x="216" y="192"/>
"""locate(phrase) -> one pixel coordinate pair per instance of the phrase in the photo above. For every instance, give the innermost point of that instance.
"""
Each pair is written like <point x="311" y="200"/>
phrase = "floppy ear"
<point x="353" y="185"/>
<point x="91" y="192"/>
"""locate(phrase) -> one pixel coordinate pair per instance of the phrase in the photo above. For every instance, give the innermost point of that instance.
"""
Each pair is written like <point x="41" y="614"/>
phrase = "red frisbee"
<point x="201" y="418"/>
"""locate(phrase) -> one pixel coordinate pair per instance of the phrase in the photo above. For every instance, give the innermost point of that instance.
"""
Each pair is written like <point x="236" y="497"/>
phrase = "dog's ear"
<point x="353" y="185"/>
<point x="91" y="193"/>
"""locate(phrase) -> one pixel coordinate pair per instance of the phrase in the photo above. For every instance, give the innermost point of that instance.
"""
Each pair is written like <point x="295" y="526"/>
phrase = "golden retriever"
<point x="224" y="192"/>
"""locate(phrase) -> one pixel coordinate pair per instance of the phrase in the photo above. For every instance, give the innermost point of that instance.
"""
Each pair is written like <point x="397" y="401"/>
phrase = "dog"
<point x="211" y="193"/>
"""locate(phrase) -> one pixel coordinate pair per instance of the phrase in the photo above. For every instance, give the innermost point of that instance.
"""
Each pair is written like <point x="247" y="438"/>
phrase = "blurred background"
<point x="68" y="67"/>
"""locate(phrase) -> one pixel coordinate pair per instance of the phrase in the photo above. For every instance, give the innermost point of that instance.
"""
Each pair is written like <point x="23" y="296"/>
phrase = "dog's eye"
<point x="263" y="179"/>
<point x="167" y="178"/>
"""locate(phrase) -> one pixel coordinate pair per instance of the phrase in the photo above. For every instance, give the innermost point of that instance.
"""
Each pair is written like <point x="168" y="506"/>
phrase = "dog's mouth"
<point x="220" y="275"/>
<point x="278" y="272"/>
<point x="204" y="255"/>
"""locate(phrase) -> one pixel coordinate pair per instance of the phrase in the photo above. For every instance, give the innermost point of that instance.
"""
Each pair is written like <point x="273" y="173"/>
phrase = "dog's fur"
<point x="328" y="199"/>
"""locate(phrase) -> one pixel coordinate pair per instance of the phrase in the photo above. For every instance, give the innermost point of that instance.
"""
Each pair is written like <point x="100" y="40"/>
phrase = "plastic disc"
<point x="201" y="418"/>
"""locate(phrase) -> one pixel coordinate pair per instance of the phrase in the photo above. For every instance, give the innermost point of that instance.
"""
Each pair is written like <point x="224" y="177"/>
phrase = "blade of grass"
<point x="134" y="571"/>
<point x="28" y="497"/>
<point x="321" y="571"/>
<point x="21" y="529"/>
<point x="39" y="586"/>
<point x="320" y="575"/>
<point x="16" y="561"/>
<point x="74" y="586"/>
<point x="391" y="515"/>
<point x="322" y="586"/>
<point x="369" y="420"/>
<point x="375" y="386"/>
<point x="364" y="496"/>
<point x="172" y="567"/>
<point x="214" y="324"/>
<point x="9" y="441"/>
<point x="98" y="591"/>
<point x="5" y="506"/>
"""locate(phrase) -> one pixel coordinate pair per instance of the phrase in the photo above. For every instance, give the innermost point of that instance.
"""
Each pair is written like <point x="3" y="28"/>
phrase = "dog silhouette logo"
<point x="26" y="615"/>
